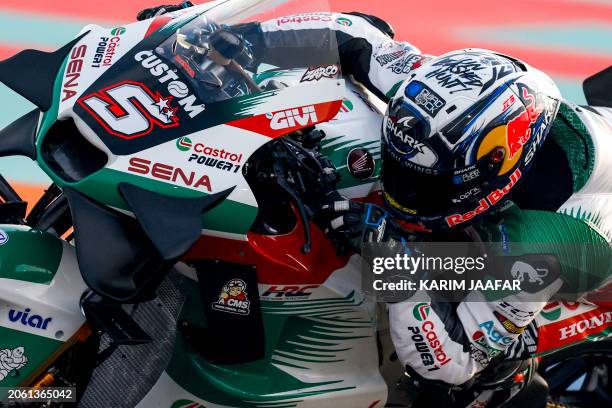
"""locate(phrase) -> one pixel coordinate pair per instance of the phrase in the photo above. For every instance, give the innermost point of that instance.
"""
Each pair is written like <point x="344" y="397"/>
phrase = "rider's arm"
<point x="365" y="47"/>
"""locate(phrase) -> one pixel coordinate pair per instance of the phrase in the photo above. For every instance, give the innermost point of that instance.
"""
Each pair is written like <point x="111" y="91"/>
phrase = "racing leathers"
<point x="439" y="340"/>
<point x="460" y="340"/>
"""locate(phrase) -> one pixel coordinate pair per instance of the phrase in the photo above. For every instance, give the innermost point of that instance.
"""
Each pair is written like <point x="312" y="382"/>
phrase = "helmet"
<point x="459" y="135"/>
<point x="236" y="283"/>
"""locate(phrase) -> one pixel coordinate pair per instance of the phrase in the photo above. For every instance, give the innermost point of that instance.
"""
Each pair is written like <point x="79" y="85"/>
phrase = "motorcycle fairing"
<point x="32" y="73"/>
<point x="240" y="125"/>
<point x="19" y="138"/>
<point x="171" y="223"/>
<point x="45" y="283"/>
<point x="597" y="88"/>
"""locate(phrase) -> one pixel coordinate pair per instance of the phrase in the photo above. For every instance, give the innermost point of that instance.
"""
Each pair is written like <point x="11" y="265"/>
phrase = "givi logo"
<point x="285" y="119"/>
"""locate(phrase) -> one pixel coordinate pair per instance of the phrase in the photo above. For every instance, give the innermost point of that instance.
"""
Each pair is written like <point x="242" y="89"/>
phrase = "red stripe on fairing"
<point x="549" y="336"/>
<point x="261" y="123"/>
<point x="157" y="23"/>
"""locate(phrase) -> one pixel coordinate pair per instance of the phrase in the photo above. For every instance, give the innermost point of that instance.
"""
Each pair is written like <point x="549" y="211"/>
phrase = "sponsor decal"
<point x="343" y="21"/>
<point x="406" y="64"/>
<point x="494" y="335"/>
<point x="460" y="198"/>
<point x="4" y="237"/>
<point x="384" y="59"/>
<point x="233" y="298"/>
<point x="523" y="316"/>
<point x="347" y="106"/>
<point x="479" y="356"/>
<point x="304" y="18"/>
<point x="315" y="74"/>
<point x="586" y="325"/>
<point x="538" y="137"/>
<point x="118" y="31"/>
<point x="183" y="144"/>
<point x="454" y="72"/>
<point x="183" y="403"/>
<point x="505" y="240"/>
<point x="73" y="72"/>
<point x="509" y="102"/>
<point x="421" y="311"/>
<point x="518" y="130"/>
<point x="510" y="326"/>
<point x="552" y="310"/>
<point x="480" y="339"/>
<point x="568" y="331"/>
<point x="130" y="109"/>
<point x="167" y="76"/>
<point x="424" y="97"/>
<point x="288" y="292"/>
<point x="427" y="343"/>
<point x="210" y="156"/>
<point x="292" y="118"/>
<point x="105" y="52"/>
<point x="165" y="172"/>
<point x="484" y="204"/>
<point x="11" y="360"/>
<point x="520" y="270"/>
<point x="26" y="319"/>
<point x="360" y="163"/>
<point x="465" y="175"/>
<point x="410" y="149"/>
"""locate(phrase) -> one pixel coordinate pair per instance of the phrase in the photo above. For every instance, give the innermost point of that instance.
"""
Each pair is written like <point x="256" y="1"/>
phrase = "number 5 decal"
<point x="129" y="109"/>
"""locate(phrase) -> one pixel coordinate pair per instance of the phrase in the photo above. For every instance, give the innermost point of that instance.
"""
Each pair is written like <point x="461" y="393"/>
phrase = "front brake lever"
<point x="282" y="182"/>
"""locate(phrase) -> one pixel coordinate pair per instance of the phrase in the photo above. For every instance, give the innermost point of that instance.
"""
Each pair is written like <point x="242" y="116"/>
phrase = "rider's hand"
<point x="159" y="10"/>
<point x="350" y="224"/>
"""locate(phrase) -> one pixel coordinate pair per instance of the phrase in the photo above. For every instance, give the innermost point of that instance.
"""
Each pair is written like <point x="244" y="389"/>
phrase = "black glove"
<point x="159" y="10"/>
<point x="350" y="224"/>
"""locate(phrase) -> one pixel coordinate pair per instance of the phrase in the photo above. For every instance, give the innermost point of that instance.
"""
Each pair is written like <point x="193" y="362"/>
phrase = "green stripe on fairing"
<point x="37" y="350"/>
<point x="251" y="384"/>
<point x="229" y="216"/>
<point x="30" y="256"/>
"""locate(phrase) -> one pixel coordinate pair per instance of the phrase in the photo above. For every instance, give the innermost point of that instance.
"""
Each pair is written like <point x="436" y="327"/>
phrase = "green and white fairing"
<point x="40" y="291"/>
<point x="102" y="98"/>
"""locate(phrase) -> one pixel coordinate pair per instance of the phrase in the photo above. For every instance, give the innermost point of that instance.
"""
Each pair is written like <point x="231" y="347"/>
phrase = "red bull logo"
<point x="518" y="130"/>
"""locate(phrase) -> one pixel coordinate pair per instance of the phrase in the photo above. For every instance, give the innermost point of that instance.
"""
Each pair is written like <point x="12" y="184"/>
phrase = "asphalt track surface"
<point x="568" y="39"/>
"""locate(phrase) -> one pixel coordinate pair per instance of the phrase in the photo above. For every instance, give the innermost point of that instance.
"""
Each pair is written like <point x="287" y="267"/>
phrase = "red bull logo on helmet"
<point x="518" y="130"/>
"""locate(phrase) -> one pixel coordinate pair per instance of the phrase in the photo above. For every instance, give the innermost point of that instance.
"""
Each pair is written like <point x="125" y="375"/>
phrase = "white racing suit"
<point x="439" y="341"/>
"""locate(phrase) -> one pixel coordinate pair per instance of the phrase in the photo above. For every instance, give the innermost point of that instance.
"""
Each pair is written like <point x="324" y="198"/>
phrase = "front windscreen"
<point x="226" y="51"/>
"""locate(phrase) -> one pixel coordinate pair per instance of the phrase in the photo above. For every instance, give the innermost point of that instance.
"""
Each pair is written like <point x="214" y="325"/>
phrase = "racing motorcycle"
<point x="155" y="160"/>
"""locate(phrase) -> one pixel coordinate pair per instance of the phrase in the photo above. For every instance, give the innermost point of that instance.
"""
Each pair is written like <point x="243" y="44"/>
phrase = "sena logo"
<point x="166" y="76"/>
<point x="130" y="109"/>
<point x="291" y="118"/>
<point x="73" y="71"/>
<point x="314" y="74"/>
<point x="166" y="172"/>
